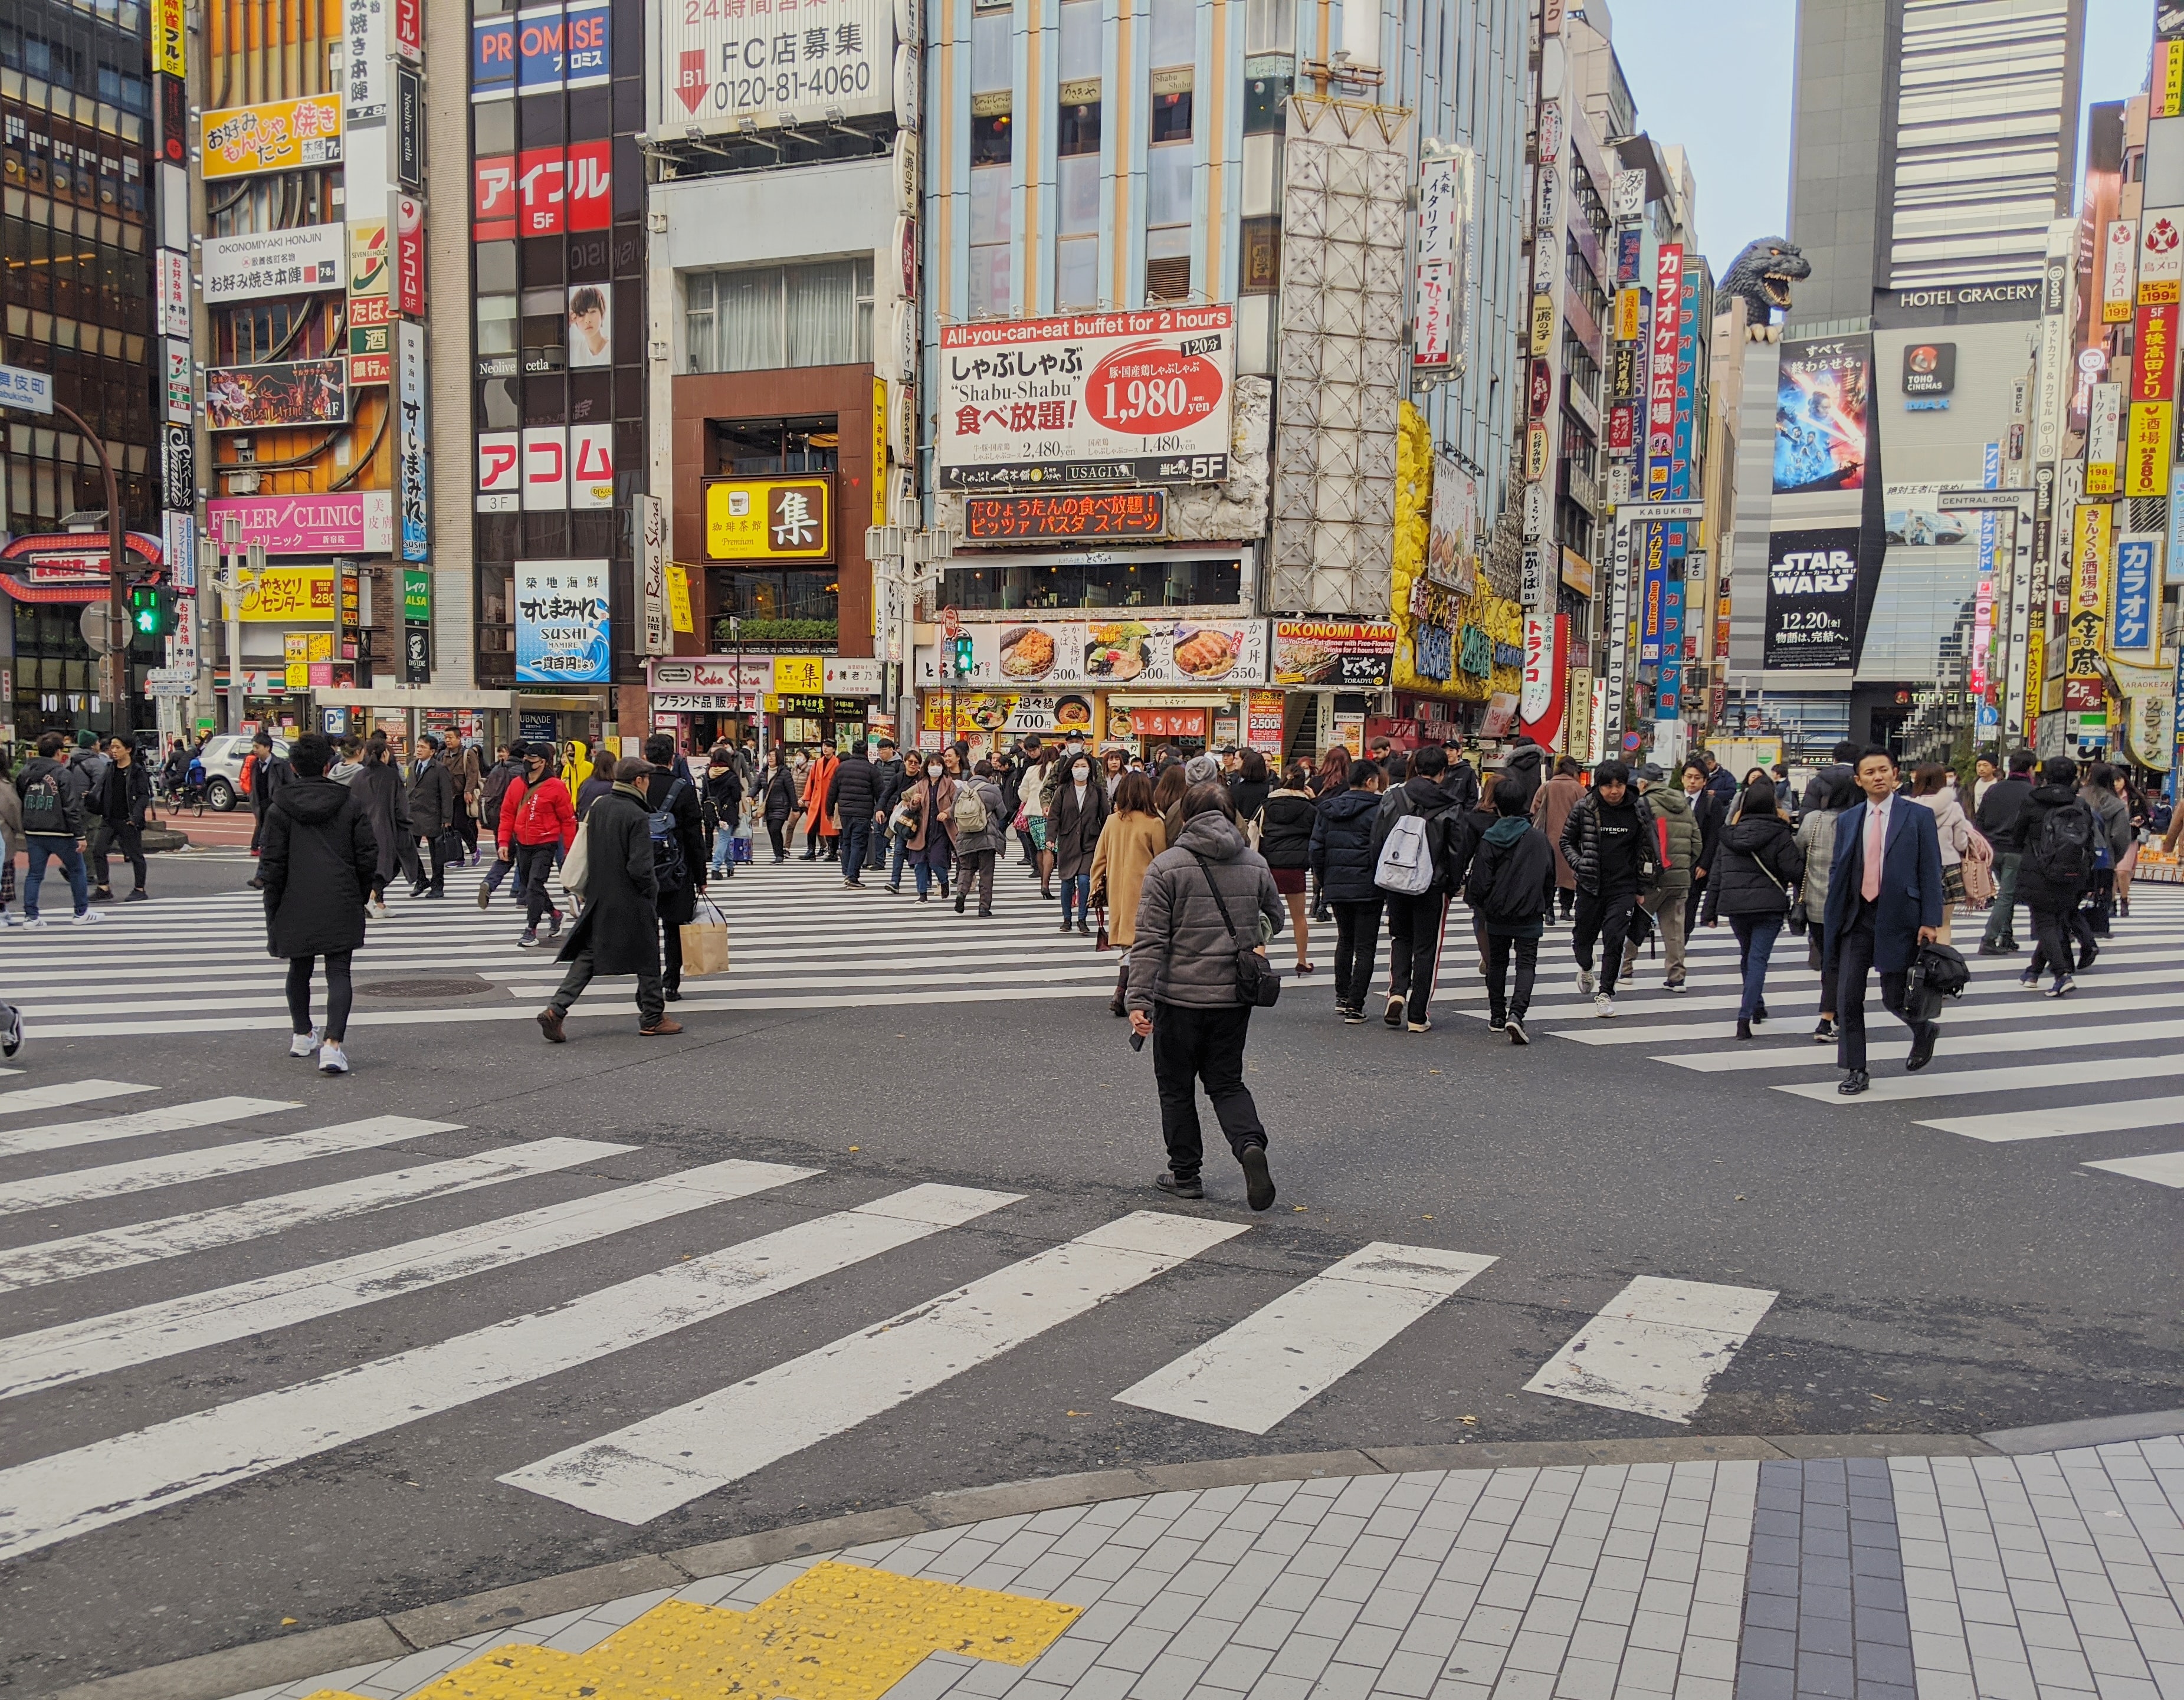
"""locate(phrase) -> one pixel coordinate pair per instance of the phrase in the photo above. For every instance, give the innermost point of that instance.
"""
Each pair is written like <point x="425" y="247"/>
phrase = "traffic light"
<point x="964" y="663"/>
<point x="149" y="614"/>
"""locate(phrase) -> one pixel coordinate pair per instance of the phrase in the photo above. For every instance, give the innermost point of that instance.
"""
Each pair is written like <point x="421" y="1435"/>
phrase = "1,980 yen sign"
<point x="1138" y="397"/>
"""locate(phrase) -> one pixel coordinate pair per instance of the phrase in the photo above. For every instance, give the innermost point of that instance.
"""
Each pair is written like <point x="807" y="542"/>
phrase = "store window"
<point x="762" y="448"/>
<point x="770" y="607"/>
<point x="763" y="318"/>
<point x="1143" y="582"/>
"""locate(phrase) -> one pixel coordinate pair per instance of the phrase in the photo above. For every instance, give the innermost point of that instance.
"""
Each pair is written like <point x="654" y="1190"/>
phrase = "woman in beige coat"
<point x="1132" y="837"/>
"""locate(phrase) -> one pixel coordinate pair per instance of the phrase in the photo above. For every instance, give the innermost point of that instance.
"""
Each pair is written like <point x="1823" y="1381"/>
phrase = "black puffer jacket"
<point x="1342" y="846"/>
<point x="780" y="795"/>
<point x="1286" y="822"/>
<point x="1419" y="795"/>
<point x="2034" y="890"/>
<point x="1757" y="868"/>
<point x="1581" y="841"/>
<point x="854" y="793"/>
<point x="317" y="865"/>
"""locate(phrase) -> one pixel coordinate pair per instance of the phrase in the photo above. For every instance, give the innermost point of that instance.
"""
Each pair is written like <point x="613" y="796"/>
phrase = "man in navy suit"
<point x="1884" y="901"/>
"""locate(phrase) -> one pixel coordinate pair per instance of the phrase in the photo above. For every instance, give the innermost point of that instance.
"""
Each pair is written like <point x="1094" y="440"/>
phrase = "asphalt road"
<point x="1926" y="1282"/>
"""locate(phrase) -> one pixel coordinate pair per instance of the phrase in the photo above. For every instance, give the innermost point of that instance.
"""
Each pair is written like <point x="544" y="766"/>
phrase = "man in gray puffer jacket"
<point x="1183" y="992"/>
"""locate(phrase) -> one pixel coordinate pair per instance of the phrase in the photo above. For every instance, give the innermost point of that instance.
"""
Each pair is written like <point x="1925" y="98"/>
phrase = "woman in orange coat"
<point x="818" y="828"/>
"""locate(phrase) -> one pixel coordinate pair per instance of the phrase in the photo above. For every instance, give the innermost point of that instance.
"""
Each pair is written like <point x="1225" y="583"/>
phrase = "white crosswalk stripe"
<point x="798" y="940"/>
<point x="1257" y="1370"/>
<point x="206" y="1113"/>
<point x="1280" y="1357"/>
<point x="1656" y="1348"/>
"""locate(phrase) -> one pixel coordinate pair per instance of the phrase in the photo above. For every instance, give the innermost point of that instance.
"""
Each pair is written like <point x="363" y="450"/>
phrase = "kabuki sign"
<point x="1137" y="398"/>
<point x="723" y="63"/>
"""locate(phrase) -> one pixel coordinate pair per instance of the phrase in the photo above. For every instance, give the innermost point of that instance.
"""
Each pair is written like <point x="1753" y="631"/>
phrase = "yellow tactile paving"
<point x="838" y="1632"/>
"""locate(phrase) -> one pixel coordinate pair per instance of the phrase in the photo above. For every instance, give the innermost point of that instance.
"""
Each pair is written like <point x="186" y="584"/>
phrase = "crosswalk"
<point x="798" y="941"/>
<point x="421" y="1326"/>
<point x="2012" y="1066"/>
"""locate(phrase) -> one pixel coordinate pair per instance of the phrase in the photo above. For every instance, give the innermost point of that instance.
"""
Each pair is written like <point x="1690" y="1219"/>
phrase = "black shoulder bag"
<point x="1256" y="982"/>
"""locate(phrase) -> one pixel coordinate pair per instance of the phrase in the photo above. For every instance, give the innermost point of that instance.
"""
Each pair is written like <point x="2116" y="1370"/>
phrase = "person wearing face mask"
<point x="1072" y="832"/>
<point x="931" y="845"/>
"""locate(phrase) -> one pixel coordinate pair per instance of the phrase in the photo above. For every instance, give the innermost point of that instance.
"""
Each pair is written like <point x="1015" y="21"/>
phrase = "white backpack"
<point x="1406" y="865"/>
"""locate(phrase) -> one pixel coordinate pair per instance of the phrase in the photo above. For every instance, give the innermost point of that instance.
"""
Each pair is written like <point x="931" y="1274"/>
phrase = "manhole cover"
<point x="464" y="986"/>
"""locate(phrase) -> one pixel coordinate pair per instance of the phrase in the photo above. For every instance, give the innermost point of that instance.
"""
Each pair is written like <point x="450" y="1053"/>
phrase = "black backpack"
<point x="667" y="864"/>
<point x="2062" y="854"/>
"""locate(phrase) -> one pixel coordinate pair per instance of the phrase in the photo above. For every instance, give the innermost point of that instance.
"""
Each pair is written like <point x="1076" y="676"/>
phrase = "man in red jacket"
<point x="537" y="824"/>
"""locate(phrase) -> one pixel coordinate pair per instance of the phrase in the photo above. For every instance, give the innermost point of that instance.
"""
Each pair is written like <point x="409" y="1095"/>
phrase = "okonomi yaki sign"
<point x="1138" y="397"/>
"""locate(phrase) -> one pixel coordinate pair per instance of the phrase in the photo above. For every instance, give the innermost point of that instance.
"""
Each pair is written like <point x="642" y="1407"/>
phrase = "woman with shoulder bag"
<point x="1132" y="837"/>
<point x="1930" y="785"/>
<point x="1757" y="865"/>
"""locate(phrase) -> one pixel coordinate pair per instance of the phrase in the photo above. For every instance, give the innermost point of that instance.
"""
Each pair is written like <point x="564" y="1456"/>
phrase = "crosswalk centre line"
<point x="53" y="1498"/>
<point x="1656" y="1348"/>
<point x="171" y="1119"/>
<point x="165" y="1328"/>
<point x="62" y="1093"/>
<point x="104" y="1249"/>
<point x="650" y="1467"/>
<point x="1265" y="1368"/>
<point x="211" y="1162"/>
<point x="2065" y="1121"/>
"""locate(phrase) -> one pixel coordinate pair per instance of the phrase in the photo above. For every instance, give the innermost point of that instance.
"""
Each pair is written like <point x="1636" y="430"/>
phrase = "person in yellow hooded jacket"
<point x="576" y="764"/>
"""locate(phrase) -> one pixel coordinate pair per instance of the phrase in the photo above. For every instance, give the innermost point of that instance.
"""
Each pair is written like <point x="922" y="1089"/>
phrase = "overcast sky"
<point x="1715" y="76"/>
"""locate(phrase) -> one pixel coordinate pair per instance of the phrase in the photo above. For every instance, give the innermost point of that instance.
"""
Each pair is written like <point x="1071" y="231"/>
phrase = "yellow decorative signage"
<point x="879" y="451"/>
<point x="678" y="598"/>
<point x="770" y="519"/>
<point x="2089" y="557"/>
<point x="283" y="594"/>
<point x="169" y="38"/>
<point x="799" y="675"/>
<point x="275" y="136"/>
<point x="1629" y="315"/>
<point x="2146" y="460"/>
<point x="1543" y="324"/>
<point x="836" y="1632"/>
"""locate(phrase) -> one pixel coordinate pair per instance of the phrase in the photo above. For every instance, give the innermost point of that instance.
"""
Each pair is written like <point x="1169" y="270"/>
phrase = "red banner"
<point x="2153" y="367"/>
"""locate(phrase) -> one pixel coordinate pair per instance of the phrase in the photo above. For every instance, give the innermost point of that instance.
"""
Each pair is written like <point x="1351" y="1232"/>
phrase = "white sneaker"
<point x="1584" y="982"/>
<point x="11" y="917"/>
<point x="378" y="911"/>
<point x="34" y="920"/>
<point x="90" y="917"/>
<point x="1603" y="1006"/>
<point x="332" y="1059"/>
<point x="303" y="1044"/>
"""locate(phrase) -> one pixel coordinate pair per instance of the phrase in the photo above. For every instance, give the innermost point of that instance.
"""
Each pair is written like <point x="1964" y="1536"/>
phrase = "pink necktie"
<point x="1870" y="887"/>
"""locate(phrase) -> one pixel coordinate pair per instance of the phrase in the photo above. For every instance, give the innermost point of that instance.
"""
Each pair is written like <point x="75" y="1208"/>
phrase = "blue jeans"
<point x="901" y="841"/>
<point x="1080" y="887"/>
<point x="40" y="847"/>
<point x="856" y="837"/>
<point x="1755" y="946"/>
<point x="926" y="871"/>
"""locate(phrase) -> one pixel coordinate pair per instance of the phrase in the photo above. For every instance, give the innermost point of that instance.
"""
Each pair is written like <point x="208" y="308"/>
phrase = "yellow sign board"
<point x="879" y="451"/>
<point x="1629" y="315"/>
<point x="678" y="598"/>
<point x="274" y="135"/>
<point x="1536" y="452"/>
<point x="2146" y="461"/>
<point x="799" y="675"/>
<point x="2169" y="79"/>
<point x="770" y="519"/>
<point x="840" y="1631"/>
<point x="2089" y="557"/>
<point x="1543" y="324"/>
<point x="169" y="38"/>
<point x="284" y="593"/>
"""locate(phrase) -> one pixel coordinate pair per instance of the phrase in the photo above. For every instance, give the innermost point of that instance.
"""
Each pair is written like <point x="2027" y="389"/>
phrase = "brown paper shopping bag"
<point x="705" y="943"/>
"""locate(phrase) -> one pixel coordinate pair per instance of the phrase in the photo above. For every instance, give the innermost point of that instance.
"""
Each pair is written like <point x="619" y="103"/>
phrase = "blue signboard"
<point x="1669" y="694"/>
<point x="561" y="622"/>
<point x="492" y="58"/>
<point x="2132" y="629"/>
<point x="541" y="49"/>
<point x="1687" y="387"/>
<point x="587" y="45"/>
<point x="1654" y="558"/>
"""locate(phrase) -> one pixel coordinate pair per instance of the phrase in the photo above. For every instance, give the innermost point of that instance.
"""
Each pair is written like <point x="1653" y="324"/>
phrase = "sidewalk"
<point x="2028" y="1565"/>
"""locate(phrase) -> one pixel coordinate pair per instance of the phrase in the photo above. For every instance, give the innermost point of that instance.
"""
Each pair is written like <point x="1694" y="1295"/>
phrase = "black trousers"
<point x="651" y="995"/>
<point x="776" y="831"/>
<point x="1605" y="917"/>
<point x="1190" y="1044"/>
<point x="1414" y="930"/>
<point x="127" y="839"/>
<point x="534" y="863"/>
<point x="2053" y="933"/>
<point x="1853" y="961"/>
<point x="1357" y="942"/>
<point x="339" y="995"/>
<point x="1500" y="948"/>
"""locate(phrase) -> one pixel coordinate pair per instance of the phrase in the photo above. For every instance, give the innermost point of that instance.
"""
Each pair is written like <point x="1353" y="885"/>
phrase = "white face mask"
<point x="1081" y="772"/>
<point x="932" y="769"/>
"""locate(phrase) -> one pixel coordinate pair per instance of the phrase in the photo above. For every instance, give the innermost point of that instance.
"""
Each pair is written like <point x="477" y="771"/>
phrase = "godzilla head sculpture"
<point x="1762" y="274"/>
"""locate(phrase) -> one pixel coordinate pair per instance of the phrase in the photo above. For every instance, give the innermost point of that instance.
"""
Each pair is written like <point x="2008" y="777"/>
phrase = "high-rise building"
<point x="1933" y="150"/>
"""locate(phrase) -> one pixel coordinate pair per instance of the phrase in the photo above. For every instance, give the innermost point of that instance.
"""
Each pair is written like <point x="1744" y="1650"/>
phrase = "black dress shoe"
<point x="672" y="994"/>
<point x="1922" y="1046"/>
<point x="1853" y="1083"/>
<point x="1167" y="1181"/>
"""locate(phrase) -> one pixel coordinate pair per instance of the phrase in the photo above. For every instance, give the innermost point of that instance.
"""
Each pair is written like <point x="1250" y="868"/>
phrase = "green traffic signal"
<point x="147" y="610"/>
